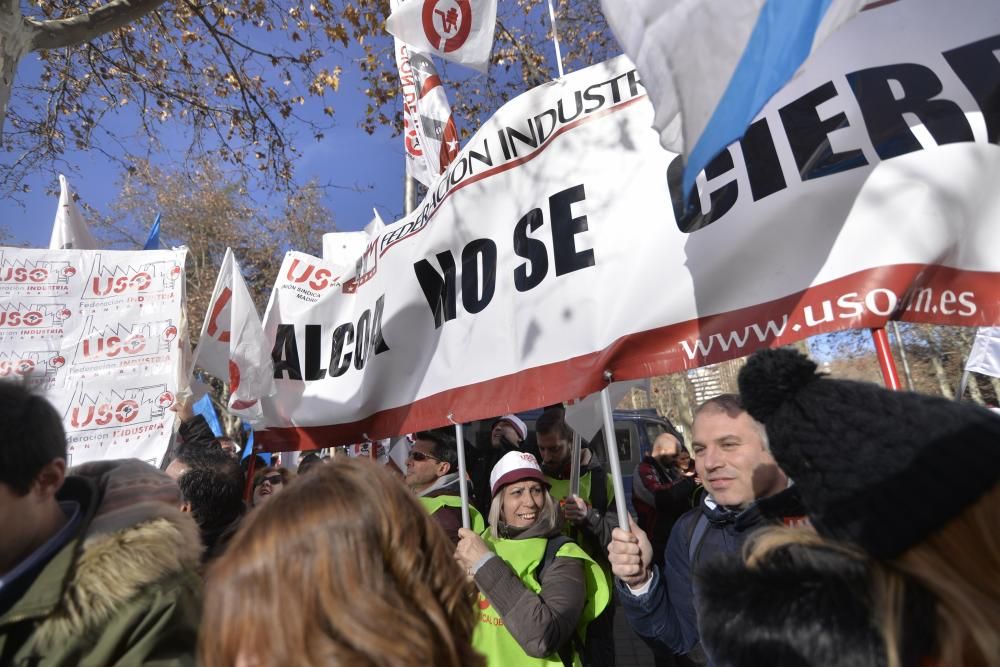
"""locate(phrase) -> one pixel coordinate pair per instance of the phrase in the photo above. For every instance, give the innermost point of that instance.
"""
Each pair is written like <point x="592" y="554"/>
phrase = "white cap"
<point x="515" y="421"/>
<point x="513" y="467"/>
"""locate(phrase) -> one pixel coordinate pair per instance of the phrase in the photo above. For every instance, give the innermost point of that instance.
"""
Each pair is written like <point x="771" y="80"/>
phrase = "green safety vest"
<point x="560" y="487"/>
<point x="434" y="503"/>
<point x="491" y="637"/>
<point x="560" y="490"/>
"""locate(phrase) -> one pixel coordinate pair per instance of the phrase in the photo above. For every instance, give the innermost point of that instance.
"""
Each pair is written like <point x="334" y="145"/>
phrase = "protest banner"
<point x="96" y="331"/>
<point x="556" y="246"/>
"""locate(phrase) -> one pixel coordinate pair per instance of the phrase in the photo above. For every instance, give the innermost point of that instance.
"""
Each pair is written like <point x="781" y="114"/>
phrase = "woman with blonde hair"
<point x="345" y="568"/>
<point x="902" y="565"/>
<point x="539" y="590"/>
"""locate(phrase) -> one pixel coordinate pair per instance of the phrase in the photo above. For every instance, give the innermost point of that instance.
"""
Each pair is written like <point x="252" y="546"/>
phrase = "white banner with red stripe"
<point x="556" y="247"/>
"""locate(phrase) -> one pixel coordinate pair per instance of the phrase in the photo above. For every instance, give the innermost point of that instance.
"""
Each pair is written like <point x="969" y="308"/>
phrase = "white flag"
<point x="375" y="227"/>
<point x="69" y="231"/>
<point x="457" y="30"/>
<point x="586" y="416"/>
<point x="344" y="248"/>
<point x="710" y="65"/>
<point x="985" y="354"/>
<point x="232" y="344"/>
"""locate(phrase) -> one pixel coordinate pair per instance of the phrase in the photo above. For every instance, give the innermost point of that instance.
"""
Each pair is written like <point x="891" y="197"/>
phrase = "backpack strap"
<point x="552" y="547"/>
<point x="697" y="535"/>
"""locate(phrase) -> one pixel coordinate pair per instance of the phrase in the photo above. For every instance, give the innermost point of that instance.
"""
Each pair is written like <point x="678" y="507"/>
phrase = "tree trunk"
<point x="19" y="35"/>
<point x="974" y="392"/>
<point x="15" y="39"/>
<point x="942" y="377"/>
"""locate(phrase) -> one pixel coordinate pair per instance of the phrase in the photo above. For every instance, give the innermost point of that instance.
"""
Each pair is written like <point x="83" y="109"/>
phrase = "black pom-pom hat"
<point x="879" y="468"/>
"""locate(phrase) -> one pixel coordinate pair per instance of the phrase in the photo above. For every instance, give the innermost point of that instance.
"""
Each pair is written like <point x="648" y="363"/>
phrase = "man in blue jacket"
<point x="739" y="473"/>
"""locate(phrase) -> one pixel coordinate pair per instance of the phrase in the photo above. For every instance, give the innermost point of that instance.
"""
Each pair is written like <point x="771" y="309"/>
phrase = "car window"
<point x="653" y="431"/>
<point x="625" y="434"/>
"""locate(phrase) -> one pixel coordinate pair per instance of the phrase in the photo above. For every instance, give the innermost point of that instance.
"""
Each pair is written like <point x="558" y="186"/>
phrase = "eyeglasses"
<point x="274" y="480"/>
<point x="420" y="456"/>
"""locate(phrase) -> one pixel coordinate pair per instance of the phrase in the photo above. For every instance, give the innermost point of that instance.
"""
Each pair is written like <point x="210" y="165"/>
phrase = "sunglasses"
<point x="274" y="480"/>
<point x="420" y="456"/>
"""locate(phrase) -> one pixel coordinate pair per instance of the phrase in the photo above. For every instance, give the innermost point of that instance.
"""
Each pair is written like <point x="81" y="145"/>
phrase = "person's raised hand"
<point x="470" y="549"/>
<point x="631" y="555"/>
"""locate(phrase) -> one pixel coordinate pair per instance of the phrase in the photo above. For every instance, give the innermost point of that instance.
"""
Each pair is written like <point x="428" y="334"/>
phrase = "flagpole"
<point x="611" y="443"/>
<point x="574" y="465"/>
<point x="962" y="385"/>
<point x="251" y="468"/>
<point x="902" y="355"/>
<point x="463" y="487"/>
<point x="555" y="38"/>
<point x="885" y="360"/>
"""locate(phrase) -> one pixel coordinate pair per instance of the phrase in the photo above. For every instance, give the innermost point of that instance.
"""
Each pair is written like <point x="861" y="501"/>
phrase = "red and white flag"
<point x="457" y="30"/>
<point x="416" y="163"/>
<point x="69" y="231"/>
<point x="232" y="344"/>
<point x="439" y="138"/>
<point x="429" y="133"/>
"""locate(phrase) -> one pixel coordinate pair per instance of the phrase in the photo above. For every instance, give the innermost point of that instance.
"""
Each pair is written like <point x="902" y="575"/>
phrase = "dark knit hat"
<point x="869" y="461"/>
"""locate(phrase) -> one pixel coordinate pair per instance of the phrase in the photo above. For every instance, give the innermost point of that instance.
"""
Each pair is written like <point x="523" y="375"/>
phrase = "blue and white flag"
<point x="709" y="66"/>
<point x="203" y="406"/>
<point x="153" y="240"/>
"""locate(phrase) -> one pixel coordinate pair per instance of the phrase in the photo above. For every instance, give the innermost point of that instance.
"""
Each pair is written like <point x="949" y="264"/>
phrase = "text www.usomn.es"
<point x="848" y="306"/>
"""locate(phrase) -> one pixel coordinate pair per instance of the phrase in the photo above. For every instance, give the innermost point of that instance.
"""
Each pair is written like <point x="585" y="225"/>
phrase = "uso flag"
<point x="457" y="30"/>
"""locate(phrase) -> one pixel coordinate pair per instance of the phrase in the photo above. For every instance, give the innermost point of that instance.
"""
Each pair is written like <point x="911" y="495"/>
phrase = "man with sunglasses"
<point x="432" y="474"/>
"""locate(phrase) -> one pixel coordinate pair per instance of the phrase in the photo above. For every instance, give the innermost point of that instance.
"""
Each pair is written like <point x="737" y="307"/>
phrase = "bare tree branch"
<point x="58" y="33"/>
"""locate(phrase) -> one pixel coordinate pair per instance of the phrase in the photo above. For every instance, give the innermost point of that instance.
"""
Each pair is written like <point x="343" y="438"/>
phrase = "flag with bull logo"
<point x="232" y="344"/>
<point x="457" y="30"/>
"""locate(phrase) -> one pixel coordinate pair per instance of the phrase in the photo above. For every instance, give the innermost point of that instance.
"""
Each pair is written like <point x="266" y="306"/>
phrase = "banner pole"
<point x="885" y="360"/>
<point x="462" y="486"/>
<point x="248" y="487"/>
<point x="962" y="385"/>
<point x="574" y="465"/>
<point x="611" y="442"/>
<point x="555" y="38"/>
<point x="902" y="355"/>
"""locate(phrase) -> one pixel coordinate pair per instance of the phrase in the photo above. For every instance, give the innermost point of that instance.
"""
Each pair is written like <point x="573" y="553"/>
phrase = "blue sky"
<point x="365" y="170"/>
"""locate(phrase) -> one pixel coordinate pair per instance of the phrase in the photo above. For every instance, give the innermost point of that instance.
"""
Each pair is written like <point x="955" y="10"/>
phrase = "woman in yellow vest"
<point x="538" y="590"/>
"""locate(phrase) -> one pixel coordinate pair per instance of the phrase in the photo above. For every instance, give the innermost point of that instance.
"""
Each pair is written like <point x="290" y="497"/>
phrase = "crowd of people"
<point x="805" y="521"/>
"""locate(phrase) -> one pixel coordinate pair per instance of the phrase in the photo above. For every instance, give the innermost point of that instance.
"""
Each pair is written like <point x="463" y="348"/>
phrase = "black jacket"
<point x="665" y="616"/>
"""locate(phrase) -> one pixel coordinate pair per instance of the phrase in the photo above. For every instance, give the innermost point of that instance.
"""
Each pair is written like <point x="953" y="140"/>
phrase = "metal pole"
<point x="251" y="468"/>
<point x="902" y="355"/>
<point x="555" y="38"/>
<point x="612" y="445"/>
<point x="409" y="194"/>
<point x="574" y="465"/>
<point x="885" y="360"/>
<point x="462" y="486"/>
<point x="962" y="385"/>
